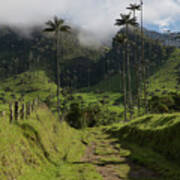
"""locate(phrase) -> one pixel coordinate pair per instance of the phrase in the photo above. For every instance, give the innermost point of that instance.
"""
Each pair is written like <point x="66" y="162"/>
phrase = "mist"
<point x="95" y="18"/>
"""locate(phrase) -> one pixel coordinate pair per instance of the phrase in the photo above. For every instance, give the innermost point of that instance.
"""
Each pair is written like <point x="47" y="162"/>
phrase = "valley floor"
<point x="40" y="149"/>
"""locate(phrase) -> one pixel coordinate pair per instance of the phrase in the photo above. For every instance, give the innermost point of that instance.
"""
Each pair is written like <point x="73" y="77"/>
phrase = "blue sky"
<point x="162" y="16"/>
<point x="94" y="17"/>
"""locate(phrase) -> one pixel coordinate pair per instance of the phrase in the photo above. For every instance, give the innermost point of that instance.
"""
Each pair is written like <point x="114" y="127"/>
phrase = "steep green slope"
<point x="41" y="148"/>
<point x="167" y="79"/>
<point x="26" y="86"/>
<point x="111" y="84"/>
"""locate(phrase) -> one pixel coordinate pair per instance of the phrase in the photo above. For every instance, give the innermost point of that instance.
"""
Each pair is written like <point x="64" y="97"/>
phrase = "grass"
<point x="111" y="84"/>
<point x="166" y="79"/>
<point x="27" y="86"/>
<point x="153" y="141"/>
<point x="110" y="100"/>
<point x="41" y="148"/>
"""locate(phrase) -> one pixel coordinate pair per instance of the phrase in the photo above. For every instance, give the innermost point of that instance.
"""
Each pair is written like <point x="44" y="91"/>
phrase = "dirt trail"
<point x="106" y="156"/>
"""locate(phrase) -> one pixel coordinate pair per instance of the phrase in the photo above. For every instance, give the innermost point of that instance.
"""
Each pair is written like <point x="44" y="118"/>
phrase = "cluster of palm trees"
<point x="126" y="21"/>
<point x="58" y="28"/>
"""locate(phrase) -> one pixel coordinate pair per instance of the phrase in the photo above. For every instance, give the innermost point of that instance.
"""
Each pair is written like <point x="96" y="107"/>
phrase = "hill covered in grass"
<point x="41" y="148"/>
<point x="167" y="78"/>
<point x="152" y="140"/>
<point x="26" y="86"/>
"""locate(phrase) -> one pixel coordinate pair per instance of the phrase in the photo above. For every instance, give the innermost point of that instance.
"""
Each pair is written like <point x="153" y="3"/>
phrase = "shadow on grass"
<point x="101" y="163"/>
<point x="33" y="138"/>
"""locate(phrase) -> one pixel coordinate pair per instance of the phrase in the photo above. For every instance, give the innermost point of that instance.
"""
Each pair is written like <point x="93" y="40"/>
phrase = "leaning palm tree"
<point x="126" y="21"/>
<point x="57" y="27"/>
<point x="121" y="39"/>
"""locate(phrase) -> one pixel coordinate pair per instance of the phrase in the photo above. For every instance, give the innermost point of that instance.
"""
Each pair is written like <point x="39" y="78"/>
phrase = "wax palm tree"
<point x="126" y="21"/>
<point x="136" y="7"/>
<point x="122" y="40"/>
<point x="143" y="63"/>
<point x="57" y="27"/>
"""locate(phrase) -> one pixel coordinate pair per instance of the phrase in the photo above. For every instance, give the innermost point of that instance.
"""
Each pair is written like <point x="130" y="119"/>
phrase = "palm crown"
<point x="56" y="25"/>
<point x="134" y="7"/>
<point x="126" y="20"/>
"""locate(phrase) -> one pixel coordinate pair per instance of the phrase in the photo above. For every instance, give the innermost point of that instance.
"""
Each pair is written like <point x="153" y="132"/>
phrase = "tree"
<point x="122" y="40"/>
<point x="126" y="21"/>
<point x="57" y="27"/>
<point x="143" y="63"/>
<point x="136" y="7"/>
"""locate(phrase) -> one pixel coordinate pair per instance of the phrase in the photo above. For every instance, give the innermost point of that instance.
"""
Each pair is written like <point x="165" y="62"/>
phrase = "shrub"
<point x="75" y="116"/>
<point x="165" y="104"/>
<point x="94" y="114"/>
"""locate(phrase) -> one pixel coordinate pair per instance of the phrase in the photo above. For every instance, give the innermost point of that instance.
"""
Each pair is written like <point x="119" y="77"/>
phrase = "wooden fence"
<point x="19" y="110"/>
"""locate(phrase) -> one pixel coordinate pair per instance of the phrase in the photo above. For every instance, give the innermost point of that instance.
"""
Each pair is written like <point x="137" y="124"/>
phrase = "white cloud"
<point x="96" y="17"/>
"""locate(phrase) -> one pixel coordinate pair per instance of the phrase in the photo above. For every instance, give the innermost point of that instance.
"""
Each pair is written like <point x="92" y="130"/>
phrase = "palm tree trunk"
<point x="124" y="87"/>
<point x="58" y="76"/>
<point x="139" y="88"/>
<point x="88" y="78"/>
<point x="143" y="62"/>
<point x="129" y="77"/>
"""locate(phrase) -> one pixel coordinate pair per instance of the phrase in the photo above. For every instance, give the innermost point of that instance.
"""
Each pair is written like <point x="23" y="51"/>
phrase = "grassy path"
<point x="111" y="160"/>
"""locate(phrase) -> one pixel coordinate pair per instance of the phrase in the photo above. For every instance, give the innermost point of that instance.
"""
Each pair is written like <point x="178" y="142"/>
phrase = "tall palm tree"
<point x="136" y="7"/>
<point x="126" y="21"/>
<point x="57" y="27"/>
<point x="122" y="40"/>
<point x="143" y="63"/>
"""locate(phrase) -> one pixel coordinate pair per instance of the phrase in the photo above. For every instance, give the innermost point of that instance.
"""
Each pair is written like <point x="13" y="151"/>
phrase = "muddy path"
<point x="111" y="160"/>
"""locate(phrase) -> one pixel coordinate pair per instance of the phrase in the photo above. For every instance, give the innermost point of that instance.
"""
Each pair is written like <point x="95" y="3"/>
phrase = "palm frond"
<point x="120" y="22"/>
<point x="56" y="25"/>
<point x="50" y="24"/>
<point x="65" y="28"/>
<point x="134" y="7"/>
<point x="126" y="20"/>
<point x="48" y="30"/>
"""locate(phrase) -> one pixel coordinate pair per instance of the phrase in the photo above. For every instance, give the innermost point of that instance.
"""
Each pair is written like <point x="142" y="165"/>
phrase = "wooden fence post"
<point x="28" y="109"/>
<point x="16" y="110"/>
<point x="10" y="112"/>
<point x="33" y="105"/>
<point x="22" y="111"/>
<point x="3" y="113"/>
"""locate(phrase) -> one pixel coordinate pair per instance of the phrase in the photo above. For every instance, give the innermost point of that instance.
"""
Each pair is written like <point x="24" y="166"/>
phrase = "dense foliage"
<point x="81" y="66"/>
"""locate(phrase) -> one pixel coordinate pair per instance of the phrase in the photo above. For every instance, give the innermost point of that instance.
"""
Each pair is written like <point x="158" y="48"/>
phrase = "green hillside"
<point x="41" y="148"/>
<point x="90" y="127"/>
<point x="167" y="78"/>
<point x="26" y="86"/>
